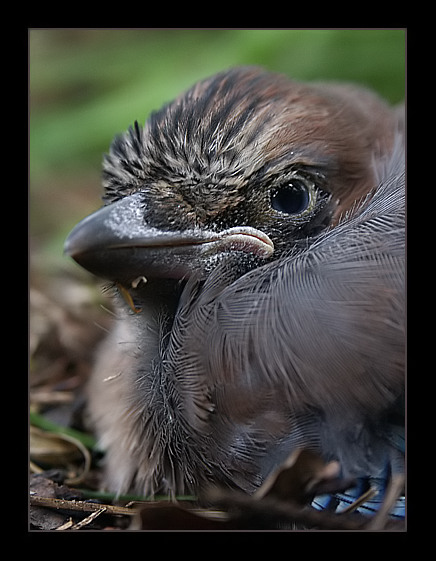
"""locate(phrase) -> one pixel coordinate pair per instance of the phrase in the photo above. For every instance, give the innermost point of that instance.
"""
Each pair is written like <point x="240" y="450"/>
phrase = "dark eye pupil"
<point x="292" y="199"/>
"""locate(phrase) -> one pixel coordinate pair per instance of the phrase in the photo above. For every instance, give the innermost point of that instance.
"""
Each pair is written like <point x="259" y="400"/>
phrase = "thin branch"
<point x="79" y="506"/>
<point x="395" y="488"/>
<point x="88" y="519"/>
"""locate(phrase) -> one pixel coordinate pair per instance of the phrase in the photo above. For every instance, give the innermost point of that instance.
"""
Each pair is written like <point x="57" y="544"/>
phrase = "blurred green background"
<point x="87" y="85"/>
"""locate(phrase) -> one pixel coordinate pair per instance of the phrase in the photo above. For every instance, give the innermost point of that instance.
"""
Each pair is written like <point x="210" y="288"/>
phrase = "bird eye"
<point x="293" y="198"/>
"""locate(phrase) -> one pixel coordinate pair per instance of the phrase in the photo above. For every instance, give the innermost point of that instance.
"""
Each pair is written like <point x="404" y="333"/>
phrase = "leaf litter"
<point x="66" y="325"/>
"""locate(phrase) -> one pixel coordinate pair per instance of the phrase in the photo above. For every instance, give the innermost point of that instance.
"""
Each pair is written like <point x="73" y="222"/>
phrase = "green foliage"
<point x="88" y="85"/>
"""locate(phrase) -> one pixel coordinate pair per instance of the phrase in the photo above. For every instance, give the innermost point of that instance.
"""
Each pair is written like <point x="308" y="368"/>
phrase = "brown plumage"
<point x="215" y="213"/>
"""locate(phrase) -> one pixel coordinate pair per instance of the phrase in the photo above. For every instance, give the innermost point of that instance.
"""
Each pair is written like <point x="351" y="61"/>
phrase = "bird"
<point x="253" y="232"/>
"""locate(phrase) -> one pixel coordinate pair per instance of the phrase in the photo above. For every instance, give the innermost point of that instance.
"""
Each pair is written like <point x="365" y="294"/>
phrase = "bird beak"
<point x="116" y="243"/>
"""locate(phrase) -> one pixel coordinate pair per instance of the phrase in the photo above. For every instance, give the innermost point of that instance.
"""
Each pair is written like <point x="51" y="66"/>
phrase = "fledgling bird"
<point x="256" y="225"/>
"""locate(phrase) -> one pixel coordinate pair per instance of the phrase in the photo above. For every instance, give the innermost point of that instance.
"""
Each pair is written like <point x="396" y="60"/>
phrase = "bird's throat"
<point x="158" y="296"/>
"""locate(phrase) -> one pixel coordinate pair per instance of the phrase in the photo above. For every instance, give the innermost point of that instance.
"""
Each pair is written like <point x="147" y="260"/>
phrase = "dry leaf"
<point x="59" y="450"/>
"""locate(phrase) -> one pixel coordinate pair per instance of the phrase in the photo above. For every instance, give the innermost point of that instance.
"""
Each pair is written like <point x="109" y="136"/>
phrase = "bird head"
<point x="242" y="166"/>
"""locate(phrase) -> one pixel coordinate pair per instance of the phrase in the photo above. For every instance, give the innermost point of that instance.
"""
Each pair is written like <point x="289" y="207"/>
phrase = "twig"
<point x="45" y="396"/>
<point x="79" y="506"/>
<point x="88" y="519"/>
<point x="66" y="526"/>
<point x="359" y="501"/>
<point x="34" y="468"/>
<point x="395" y="487"/>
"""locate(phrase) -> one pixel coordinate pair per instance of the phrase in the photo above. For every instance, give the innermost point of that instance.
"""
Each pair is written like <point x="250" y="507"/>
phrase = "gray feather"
<point x="226" y="372"/>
